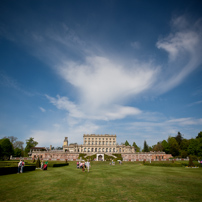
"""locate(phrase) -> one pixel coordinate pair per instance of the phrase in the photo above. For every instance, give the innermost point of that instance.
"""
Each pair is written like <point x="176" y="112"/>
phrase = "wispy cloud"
<point x="136" y="45"/>
<point x="104" y="85"/>
<point x="184" y="46"/>
<point x="195" y="103"/>
<point x="9" y="82"/>
<point x="42" y="109"/>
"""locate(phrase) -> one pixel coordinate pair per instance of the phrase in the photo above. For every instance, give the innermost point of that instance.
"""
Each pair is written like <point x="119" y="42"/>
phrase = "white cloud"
<point x="48" y="136"/>
<point x="102" y="82"/>
<point x="75" y="111"/>
<point x="42" y="109"/>
<point x="65" y="104"/>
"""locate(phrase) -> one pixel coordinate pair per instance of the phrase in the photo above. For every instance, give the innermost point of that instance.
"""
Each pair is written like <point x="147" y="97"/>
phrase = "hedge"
<point x="12" y="170"/>
<point x="60" y="164"/>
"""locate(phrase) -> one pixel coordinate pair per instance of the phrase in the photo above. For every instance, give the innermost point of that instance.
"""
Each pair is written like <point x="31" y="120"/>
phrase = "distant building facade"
<point x="99" y="145"/>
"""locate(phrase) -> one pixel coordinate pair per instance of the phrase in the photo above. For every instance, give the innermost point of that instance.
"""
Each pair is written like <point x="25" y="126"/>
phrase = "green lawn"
<point x="127" y="182"/>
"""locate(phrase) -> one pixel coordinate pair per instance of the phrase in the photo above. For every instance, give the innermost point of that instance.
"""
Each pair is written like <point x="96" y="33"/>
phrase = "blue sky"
<point x="130" y="68"/>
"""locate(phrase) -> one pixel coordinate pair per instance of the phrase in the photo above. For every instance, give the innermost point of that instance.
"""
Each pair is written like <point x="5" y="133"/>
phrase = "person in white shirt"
<point x="88" y="165"/>
<point x="19" y="166"/>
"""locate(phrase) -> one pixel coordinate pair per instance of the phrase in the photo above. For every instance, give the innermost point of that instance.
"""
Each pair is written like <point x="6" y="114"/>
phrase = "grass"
<point x="127" y="182"/>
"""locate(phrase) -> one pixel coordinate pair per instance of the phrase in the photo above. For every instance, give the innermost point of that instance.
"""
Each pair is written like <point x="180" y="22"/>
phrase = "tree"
<point x="173" y="146"/>
<point x="30" y="143"/>
<point x="6" y="148"/>
<point x="179" y="138"/>
<point x="1" y="151"/>
<point x="191" y="164"/>
<point x="183" y="153"/>
<point x="59" y="148"/>
<point x="192" y="149"/>
<point x="18" y="144"/>
<point x="158" y="147"/>
<point x="199" y="148"/>
<point x="18" y="152"/>
<point x="38" y="163"/>
<point x="12" y="139"/>
<point x="184" y="148"/>
<point x="199" y="135"/>
<point x="127" y="143"/>
<point x="165" y="145"/>
<point x="184" y="144"/>
<point x="137" y="149"/>
<point x="146" y="147"/>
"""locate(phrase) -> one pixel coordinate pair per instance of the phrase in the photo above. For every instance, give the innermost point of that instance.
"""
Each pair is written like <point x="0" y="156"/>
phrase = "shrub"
<point x="60" y="164"/>
<point x="12" y="170"/>
<point x="119" y="157"/>
<point x="191" y="164"/>
<point x="38" y="163"/>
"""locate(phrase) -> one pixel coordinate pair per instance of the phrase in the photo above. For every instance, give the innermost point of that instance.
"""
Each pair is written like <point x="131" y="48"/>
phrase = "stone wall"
<point x="137" y="156"/>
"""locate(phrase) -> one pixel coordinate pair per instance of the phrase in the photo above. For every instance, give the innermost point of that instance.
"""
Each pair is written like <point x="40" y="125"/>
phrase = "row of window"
<point x="99" y="143"/>
<point x="99" y="150"/>
<point x="99" y="139"/>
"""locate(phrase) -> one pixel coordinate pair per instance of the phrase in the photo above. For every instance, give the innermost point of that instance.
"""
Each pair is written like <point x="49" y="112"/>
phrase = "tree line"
<point x="177" y="146"/>
<point x="10" y="146"/>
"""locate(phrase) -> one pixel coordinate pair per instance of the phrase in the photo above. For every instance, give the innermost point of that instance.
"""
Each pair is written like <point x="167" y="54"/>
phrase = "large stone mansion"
<point x="99" y="145"/>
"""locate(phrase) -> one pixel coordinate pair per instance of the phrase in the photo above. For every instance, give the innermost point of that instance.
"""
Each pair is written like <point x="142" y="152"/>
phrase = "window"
<point x="99" y="143"/>
<point x="92" y="143"/>
<point x="102" y="149"/>
<point x="95" y="149"/>
<point x="103" y="142"/>
<point x="110" y="150"/>
<point x="84" y="149"/>
<point x="91" y="149"/>
<point x="99" y="149"/>
<point x="106" y="143"/>
<point x="88" y="149"/>
<point x="106" y="149"/>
